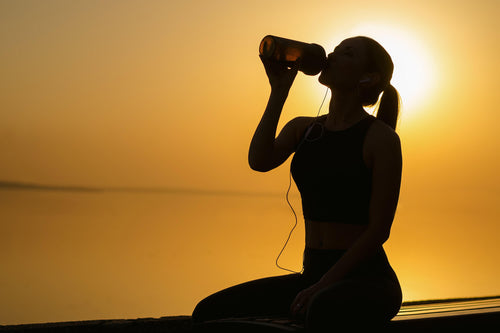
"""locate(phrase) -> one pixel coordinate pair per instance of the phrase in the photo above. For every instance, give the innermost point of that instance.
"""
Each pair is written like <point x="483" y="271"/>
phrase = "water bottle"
<point x="312" y="56"/>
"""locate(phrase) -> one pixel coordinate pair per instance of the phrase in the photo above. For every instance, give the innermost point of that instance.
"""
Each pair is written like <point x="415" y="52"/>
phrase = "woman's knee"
<point x="201" y="312"/>
<point x="222" y="304"/>
<point x="264" y="296"/>
<point x="326" y="313"/>
<point x="346" y="309"/>
<point x="323" y="316"/>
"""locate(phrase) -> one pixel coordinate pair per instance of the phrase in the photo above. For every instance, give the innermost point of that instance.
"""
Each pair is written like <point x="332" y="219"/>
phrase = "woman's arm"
<point x="385" y="154"/>
<point x="386" y="161"/>
<point x="266" y="151"/>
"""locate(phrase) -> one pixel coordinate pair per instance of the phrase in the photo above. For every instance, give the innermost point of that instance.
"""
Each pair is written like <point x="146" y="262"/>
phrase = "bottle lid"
<point x="267" y="46"/>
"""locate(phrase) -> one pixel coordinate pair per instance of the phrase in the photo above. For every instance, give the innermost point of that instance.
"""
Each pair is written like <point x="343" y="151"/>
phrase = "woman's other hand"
<point x="303" y="299"/>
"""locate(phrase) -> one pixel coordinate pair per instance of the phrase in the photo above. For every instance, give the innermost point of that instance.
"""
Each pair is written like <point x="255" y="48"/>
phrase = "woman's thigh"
<point x="267" y="296"/>
<point x="353" y="304"/>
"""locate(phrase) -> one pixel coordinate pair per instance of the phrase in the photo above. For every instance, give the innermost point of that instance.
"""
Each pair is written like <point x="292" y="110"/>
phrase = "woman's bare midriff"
<point x="332" y="235"/>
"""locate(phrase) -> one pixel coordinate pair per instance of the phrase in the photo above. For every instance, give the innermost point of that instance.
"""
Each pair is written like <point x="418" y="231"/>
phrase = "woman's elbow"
<point x="259" y="168"/>
<point x="384" y="236"/>
<point x="257" y="165"/>
<point x="379" y="235"/>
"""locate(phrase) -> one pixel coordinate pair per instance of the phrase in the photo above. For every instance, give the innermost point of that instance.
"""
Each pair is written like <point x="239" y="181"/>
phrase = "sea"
<point x="79" y="254"/>
<point x="72" y="254"/>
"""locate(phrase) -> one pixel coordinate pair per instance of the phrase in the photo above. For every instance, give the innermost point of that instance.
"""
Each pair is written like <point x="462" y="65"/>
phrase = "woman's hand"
<point x="266" y="150"/>
<point x="280" y="76"/>
<point x="303" y="299"/>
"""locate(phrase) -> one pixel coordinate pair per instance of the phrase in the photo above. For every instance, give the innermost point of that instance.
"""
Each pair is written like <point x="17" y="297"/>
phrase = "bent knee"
<point x="348" y="313"/>
<point x="203" y="311"/>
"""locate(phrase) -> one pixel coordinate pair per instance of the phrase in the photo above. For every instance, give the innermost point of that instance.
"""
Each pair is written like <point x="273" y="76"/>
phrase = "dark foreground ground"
<point x="469" y="315"/>
<point x="470" y="323"/>
<point x="179" y="324"/>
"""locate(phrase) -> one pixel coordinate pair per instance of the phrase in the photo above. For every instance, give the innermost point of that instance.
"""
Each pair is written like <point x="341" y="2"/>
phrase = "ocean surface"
<point x="76" y="255"/>
<point x="79" y="254"/>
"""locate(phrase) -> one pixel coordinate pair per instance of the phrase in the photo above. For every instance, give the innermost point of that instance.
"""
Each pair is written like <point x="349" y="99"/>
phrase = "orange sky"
<point x="168" y="93"/>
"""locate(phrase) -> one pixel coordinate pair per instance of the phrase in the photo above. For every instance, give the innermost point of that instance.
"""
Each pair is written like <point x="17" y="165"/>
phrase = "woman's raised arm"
<point x="266" y="150"/>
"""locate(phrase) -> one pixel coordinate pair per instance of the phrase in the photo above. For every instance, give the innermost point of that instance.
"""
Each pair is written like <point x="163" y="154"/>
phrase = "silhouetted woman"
<point x="347" y="167"/>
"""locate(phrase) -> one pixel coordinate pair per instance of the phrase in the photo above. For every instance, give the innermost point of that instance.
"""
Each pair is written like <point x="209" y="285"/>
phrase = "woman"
<point x="347" y="167"/>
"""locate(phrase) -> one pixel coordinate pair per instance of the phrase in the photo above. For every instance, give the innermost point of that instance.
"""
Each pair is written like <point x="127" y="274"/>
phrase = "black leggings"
<point x="369" y="296"/>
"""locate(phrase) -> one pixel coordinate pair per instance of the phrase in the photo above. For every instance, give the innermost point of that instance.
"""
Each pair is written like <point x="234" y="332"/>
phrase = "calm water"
<point x="98" y="255"/>
<point x="85" y="255"/>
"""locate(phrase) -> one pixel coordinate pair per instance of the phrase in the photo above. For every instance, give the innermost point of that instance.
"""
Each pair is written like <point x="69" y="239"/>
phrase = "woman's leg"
<point x="354" y="304"/>
<point x="268" y="296"/>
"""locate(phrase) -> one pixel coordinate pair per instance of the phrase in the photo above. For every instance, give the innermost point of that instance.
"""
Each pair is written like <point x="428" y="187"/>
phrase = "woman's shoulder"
<point x="381" y="136"/>
<point x="305" y="121"/>
<point x="381" y="131"/>
<point x="300" y="124"/>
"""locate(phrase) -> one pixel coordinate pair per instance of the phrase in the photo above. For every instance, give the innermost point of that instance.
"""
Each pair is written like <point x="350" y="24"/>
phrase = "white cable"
<point x="288" y="200"/>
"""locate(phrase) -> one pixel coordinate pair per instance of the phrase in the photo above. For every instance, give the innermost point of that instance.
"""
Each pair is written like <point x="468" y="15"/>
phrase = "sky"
<point x="168" y="94"/>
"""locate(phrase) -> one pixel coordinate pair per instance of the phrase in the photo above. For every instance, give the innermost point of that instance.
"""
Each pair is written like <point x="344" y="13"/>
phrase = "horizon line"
<point x="32" y="186"/>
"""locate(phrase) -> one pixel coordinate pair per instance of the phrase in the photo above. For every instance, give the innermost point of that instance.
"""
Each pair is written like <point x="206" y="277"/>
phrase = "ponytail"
<point x="380" y="62"/>
<point x="388" y="109"/>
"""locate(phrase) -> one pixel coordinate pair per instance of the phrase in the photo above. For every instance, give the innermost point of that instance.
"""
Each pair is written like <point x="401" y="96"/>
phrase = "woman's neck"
<point x="344" y="111"/>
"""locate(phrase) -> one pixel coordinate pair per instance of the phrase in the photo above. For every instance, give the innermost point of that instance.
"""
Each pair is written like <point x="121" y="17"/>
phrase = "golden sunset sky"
<point x="168" y="93"/>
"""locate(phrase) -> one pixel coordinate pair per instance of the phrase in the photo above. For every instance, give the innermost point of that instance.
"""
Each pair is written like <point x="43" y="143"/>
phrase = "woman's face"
<point x="345" y="65"/>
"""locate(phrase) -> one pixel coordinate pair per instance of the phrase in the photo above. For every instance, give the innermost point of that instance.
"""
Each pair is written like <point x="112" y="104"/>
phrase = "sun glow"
<point x="414" y="74"/>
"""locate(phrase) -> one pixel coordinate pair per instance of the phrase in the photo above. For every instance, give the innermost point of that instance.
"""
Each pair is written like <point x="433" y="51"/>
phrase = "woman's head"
<point x="379" y="65"/>
<point x="361" y="65"/>
<point x="345" y="65"/>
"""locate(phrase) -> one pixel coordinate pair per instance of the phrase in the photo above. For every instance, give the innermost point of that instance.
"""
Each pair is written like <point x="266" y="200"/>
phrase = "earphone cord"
<point x="291" y="231"/>
<point x="289" y="203"/>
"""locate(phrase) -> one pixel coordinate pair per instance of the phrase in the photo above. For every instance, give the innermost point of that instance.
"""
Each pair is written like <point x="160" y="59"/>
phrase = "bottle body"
<point x="312" y="56"/>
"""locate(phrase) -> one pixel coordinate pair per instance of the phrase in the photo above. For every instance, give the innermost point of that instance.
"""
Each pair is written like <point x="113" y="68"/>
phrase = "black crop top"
<point x="330" y="173"/>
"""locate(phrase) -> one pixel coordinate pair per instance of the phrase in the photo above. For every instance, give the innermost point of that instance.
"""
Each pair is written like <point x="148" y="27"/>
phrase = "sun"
<point x="414" y="71"/>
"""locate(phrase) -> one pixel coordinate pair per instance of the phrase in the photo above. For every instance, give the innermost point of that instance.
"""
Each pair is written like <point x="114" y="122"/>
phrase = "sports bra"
<point x="330" y="173"/>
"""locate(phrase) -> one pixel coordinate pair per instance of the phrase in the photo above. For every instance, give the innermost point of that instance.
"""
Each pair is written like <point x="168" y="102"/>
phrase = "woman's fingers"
<point x="301" y="301"/>
<point x="298" y="304"/>
<point x="279" y="74"/>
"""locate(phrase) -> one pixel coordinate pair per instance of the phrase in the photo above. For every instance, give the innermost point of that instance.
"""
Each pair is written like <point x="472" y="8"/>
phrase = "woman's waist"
<point x="318" y="261"/>
<point x="332" y="235"/>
